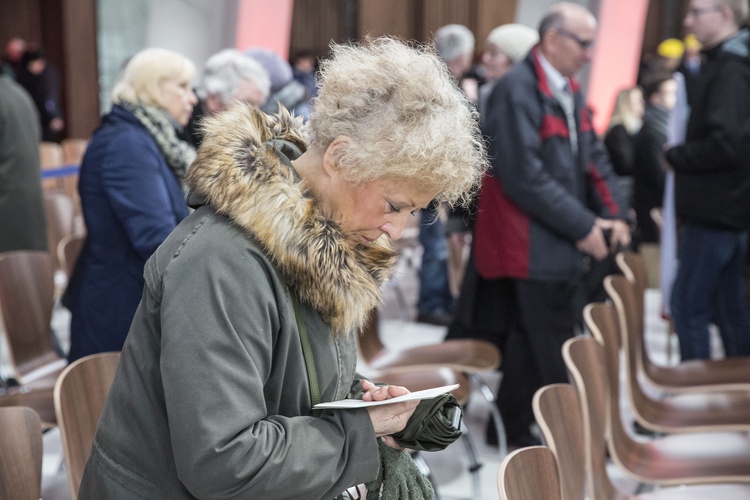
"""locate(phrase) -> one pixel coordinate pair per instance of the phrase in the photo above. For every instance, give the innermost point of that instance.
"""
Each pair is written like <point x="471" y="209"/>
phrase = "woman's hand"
<point x="387" y="419"/>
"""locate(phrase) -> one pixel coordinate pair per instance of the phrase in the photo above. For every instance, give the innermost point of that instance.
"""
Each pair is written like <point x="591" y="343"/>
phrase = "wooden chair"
<point x="26" y="299"/>
<point x="68" y="250"/>
<point x="73" y="150"/>
<point x="529" y="473"/>
<point x="50" y="155"/>
<point x="576" y="435"/>
<point x="558" y="415"/>
<point x="60" y="213"/>
<point x="469" y="356"/>
<point x="80" y="392"/>
<point x="20" y="454"/>
<point x="676" y="459"/>
<point x="688" y="376"/>
<point x="693" y="412"/>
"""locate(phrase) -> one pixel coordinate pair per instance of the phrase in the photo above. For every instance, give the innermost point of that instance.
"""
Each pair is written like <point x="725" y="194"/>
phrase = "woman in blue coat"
<point x="131" y="194"/>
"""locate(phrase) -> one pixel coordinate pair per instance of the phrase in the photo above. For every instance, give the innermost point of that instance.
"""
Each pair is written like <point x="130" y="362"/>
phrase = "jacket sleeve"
<point x="218" y="355"/>
<point x="133" y="179"/>
<point x="515" y="148"/>
<point x="650" y="157"/>
<point x="723" y="118"/>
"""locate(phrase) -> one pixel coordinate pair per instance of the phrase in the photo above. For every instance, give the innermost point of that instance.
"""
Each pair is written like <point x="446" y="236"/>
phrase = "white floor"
<point x="449" y="468"/>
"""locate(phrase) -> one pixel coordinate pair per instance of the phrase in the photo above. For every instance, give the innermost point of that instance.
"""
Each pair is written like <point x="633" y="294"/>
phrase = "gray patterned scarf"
<point x="178" y="154"/>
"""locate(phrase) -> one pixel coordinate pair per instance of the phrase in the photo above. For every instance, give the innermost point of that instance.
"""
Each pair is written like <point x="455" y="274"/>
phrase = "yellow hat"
<point x="692" y="42"/>
<point x="671" y="48"/>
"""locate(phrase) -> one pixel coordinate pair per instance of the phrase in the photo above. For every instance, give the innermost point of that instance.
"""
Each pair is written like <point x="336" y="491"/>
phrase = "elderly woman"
<point x="131" y="196"/>
<point x="266" y="284"/>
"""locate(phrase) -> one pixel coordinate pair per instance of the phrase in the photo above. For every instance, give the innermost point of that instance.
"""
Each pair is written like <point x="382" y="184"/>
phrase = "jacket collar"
<point x="243" y="171"/>
<point x="543" y="83"/>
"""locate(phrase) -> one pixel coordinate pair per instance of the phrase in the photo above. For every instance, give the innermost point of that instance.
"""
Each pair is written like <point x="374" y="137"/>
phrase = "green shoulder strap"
<point x="312" y="375"/>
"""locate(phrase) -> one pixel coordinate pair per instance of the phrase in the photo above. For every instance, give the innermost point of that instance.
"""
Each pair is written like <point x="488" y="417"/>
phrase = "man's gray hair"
<point x="226" y="69"/>
<point x="453" y="41"/>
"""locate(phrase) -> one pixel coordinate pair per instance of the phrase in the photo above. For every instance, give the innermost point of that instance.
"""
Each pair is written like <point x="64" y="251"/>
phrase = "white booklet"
<point x="358" y="403"/>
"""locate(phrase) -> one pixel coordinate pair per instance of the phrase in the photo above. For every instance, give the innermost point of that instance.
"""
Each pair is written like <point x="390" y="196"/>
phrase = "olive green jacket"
<point x="211" y="398"/>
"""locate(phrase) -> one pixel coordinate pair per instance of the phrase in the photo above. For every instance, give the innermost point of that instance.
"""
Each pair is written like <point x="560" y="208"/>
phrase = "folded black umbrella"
<point x="435" y="424"/>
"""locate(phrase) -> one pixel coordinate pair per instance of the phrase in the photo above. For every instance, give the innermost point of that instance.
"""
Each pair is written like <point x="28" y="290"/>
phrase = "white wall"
<point x="195" y="28"/>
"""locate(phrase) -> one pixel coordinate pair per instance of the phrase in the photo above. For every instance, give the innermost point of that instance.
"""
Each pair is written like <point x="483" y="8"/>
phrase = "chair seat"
<point x="463" y="355"/>
<point x="41" y="401"/>
<point x="419" y="380"/>
<point x="696" y="375"/>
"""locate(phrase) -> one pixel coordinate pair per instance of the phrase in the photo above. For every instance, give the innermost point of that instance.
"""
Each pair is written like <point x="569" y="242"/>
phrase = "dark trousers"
<point x="545" y="317"/>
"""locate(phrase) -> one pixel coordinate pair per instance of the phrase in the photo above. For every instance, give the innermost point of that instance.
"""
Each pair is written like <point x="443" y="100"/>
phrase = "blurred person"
<point x="285" y="90"/>
<point x="626" y="121"/>
<point x="671" y="51"/>
<point x="21" y="201"/>
<point x="505" y="46"/>
<point x="12" y="63"/>
<point x="304" y="68"/>
<point x="712" y="186"/>
<point x="660" y="92"/>
<point x="131" y="196"/>
<point x="455" y="45"/>
<point x="289" y="239"/>
<point x="436" y="304"/>
<point x="477" y="312"/>
<point x="548" y="202"/>
<point x="42" y="81"/>
<point x="691" y="64"/>
<point x="229" y="77"/>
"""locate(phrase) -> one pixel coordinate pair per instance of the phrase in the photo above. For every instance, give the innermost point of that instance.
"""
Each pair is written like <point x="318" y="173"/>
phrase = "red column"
<point x="618" y="52"/>
<point x="261" y="23"/>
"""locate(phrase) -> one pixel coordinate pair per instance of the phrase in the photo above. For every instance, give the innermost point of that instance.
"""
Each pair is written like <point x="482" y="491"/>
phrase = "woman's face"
<point x="178" y="99"/>
<point x="496" y="62"/>
<point x="366" y="212"/>
<point x="637" y="106"/>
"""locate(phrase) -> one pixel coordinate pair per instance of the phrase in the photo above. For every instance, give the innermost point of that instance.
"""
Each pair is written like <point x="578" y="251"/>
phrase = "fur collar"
<point x="242" y="174"/>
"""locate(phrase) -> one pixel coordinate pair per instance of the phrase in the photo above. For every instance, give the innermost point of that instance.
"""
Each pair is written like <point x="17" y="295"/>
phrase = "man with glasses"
<point x="549" y="200"/>
<point x="712" y="186"/>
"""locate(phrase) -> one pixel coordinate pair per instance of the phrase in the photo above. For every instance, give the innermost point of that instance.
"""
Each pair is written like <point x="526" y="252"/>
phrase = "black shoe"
<point x="523" y="441"/>
<point x="439" y="318"/>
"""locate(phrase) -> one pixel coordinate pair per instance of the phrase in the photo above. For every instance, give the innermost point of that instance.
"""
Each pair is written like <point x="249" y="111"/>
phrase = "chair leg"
<point x="474" y="463"/>
<point x="489" y="396"/>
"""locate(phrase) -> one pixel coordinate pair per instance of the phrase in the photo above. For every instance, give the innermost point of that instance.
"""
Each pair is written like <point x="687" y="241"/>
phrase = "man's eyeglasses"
<point x="584" y="44"/>
<point x="699" y="11"/>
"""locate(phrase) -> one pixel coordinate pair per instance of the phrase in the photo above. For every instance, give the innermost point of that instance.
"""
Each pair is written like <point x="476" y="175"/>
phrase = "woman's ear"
<point x="333" y="154"/>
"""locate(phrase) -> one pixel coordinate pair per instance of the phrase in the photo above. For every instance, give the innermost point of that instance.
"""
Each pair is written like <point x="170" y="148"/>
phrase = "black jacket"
<point x="712" y="182"/>
<point x="649" y="174"/>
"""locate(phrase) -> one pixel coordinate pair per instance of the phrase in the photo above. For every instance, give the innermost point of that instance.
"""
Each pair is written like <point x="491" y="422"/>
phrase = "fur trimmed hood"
<point x="242" y="173"/>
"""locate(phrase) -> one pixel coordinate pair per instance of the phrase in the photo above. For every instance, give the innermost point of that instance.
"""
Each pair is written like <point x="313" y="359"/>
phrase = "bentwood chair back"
<point x="529" y="473"/>
<point x="80" y="393"/>
<point x="729" y="374"/>
<point x="68" y="250"/>
<point x="60" y="213"/>
<point x="558" y="414"/>
<point x="26" y="299"/>
<point x="672" y="413"/>
<point x="20" y="454"/>
<point x="678" y="459"/>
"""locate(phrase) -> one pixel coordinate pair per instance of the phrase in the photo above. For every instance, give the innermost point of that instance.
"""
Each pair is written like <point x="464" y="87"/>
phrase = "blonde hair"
<point x="405" y="117"/>
<point x="622" y="113"/>
<point x="140" y="80"/>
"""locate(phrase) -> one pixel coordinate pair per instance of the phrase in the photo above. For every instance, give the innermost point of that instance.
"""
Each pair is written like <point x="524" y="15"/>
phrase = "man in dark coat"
<point x="21" y="203"/>
<point x="550" y="197"/>
<point x="712" y="186"/>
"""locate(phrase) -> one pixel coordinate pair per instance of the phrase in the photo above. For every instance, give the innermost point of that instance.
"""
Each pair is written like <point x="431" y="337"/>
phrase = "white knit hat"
<point x="515" y="40"/>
